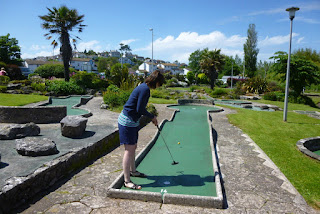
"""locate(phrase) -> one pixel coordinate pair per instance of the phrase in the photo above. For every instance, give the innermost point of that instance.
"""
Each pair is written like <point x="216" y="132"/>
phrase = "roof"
<point x="169" y="64"/>
<point x="81" y="59"/>
<point x="40" y="62"/>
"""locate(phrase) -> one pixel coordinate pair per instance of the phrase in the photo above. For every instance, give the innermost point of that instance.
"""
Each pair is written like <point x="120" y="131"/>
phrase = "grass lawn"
<point x="291" y="106"/>
<point x="20" y="99"/>
<point x="278" y="140"/>
<point x="162" y="101"/>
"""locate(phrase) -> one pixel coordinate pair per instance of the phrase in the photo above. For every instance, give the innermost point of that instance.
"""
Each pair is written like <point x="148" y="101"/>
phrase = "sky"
<point x="180" y="27"/>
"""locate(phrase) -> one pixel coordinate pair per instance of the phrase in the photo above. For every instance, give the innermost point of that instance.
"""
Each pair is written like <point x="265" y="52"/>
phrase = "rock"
<point x="0" y="157"/>
<point x="104" y="106"/>
<point x="194" y="97"/>
<point x="246" y="106"/>
<point x="15" y="131"/>
<point x="35" y="146"/>
<point x="73" y="126"/>
<point x="11" y="86"/>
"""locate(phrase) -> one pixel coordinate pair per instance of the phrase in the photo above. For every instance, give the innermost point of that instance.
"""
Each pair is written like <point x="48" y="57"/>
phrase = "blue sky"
<point x="180" y="26"/>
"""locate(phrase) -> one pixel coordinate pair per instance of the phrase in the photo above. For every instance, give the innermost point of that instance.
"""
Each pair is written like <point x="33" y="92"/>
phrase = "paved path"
<point x="252" y="183"/>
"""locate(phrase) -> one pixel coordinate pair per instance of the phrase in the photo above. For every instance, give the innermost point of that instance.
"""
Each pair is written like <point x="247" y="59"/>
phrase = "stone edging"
<point x="304" y="145"/>
<point x="19" y="189"/>
<point x="114" y="190"/>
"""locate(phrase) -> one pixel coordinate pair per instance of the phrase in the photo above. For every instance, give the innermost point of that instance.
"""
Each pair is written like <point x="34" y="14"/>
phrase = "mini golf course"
<point x="195" y="179"/>
<point x="71" y="102"/>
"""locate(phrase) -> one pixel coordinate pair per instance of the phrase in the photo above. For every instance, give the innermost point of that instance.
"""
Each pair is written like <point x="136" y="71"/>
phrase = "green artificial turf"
<point x="20" y="99"/>
<point x="278" y="140"/>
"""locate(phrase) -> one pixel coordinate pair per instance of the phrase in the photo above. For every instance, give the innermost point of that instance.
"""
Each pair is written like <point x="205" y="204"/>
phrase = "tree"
<point x="190" y="77"/>
<point x="119" y="74"/>
<point x="211" y="63"/>
<point x="61" y="22"/>
<point x="9" y="50"/>
<point x="302" y="72"/>
<point x="194" y="60"/>
<point x="251" y="51"/>
<point x="91" y="52"/>
<point x="230" y="64"/>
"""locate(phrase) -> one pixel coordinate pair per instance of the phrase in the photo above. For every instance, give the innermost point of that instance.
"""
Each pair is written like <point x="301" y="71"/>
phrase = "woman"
<point x="128" y="123"/>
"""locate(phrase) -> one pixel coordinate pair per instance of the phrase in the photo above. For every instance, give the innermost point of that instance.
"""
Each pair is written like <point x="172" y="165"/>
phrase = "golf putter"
<point x="174" y="162"/>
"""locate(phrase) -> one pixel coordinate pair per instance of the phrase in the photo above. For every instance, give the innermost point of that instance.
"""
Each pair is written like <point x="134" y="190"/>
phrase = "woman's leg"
<point x="128" y="160"/>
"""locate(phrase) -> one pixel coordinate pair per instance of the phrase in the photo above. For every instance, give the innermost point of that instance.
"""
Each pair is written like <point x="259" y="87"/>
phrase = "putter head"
<point x="174" y="163"/>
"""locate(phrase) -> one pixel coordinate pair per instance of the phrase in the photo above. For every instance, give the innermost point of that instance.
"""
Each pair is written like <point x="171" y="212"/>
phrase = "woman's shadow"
<point x="179" y="180"/>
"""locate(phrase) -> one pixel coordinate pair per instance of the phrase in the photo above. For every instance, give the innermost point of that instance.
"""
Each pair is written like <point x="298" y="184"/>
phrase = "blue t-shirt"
<point x="135" y="107"/>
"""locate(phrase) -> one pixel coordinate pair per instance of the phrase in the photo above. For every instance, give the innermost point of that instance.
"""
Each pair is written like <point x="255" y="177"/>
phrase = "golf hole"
<point x="166" y="182"/>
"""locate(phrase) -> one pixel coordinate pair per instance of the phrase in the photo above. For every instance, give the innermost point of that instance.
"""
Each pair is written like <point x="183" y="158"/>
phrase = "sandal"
<point x="138" y="174"/>
<point x="133" y="186"/>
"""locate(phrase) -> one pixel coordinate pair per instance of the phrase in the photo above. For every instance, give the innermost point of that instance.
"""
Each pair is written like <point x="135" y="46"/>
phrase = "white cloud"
<point x="180" y="48"/>
<point x="306" y="20"/>
<point x="91" y="45"/>
<point x="300" y="39"/>
<point x="276" y="40"/>
<point x="127" y="42"/>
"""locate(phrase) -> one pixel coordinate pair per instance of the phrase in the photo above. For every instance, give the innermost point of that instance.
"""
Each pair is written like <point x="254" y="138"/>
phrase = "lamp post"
<point x="291" y="11"/>
<point x="151" y="29"/>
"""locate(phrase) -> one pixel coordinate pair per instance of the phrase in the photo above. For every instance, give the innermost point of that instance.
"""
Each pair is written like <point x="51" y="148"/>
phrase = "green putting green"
<point x="188" y="138"/>
<point x="69" y="102"/>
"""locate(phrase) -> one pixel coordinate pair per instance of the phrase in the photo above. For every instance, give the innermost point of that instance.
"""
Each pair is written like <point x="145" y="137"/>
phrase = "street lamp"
<point x="291" y="11"/>
<point x="151" y="29"/>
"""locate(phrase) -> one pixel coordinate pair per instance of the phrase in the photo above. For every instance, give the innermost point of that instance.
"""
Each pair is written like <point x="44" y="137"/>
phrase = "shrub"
<point x="302" y="100"/>
<point x="89" y="80"/>
<point x="4" y="80"/>
<point x="52" y="70"/>
<point x="63" y="88"/>
<point x="14" y="72"/>
<point x="3" y="88"/>
<point x="256" y="85"/>
<point x="113" y="88"/>
<point x="38" y="86"/>
<point x="152" y="109"/>
<point x="218" y="92"/>
<point x="274" y="96"/>
<point x="114" y="99"/>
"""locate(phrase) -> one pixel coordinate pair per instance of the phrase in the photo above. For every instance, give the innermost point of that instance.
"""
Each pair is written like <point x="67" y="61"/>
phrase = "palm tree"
<point x="211" y="62"/>
<point x="60" y="22"/>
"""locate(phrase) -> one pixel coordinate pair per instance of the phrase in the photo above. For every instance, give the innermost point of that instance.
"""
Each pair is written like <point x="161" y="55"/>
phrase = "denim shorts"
<point x="128" y="135"/>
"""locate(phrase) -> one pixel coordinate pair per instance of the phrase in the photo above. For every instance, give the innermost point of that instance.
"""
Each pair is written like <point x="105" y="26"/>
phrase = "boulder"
<point x="9" y="132"/>
<point x="0" y="157"/>
<point x="73" y="126"/>
<point x="12" y="86"/>
<point x="35" y="146"/>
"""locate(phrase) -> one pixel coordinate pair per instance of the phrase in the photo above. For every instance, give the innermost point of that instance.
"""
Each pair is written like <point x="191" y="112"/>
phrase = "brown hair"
<point x="156" y="79"/>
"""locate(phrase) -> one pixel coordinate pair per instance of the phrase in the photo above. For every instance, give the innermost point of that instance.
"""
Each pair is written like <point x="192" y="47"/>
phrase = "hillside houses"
<point x="85" y="62"/>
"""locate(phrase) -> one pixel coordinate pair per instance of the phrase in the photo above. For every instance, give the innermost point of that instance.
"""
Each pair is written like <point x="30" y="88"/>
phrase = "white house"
<point x="141" y="58"/>
<point x="224" y="79"/>
<point x="84" y="64"/>
<point x="33" y="64"/>
<point x="114" y="53"/>
<point x="148" y="66"/>
<point x="173" y="68"/>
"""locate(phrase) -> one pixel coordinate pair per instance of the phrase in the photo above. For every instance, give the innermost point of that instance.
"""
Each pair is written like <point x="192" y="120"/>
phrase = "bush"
<point x="3" y="88"/>
<point x="113" y="88"/>
<point x="89" y="80"/>
<point x="52" y="70"/>
<point x="14" y="72"/>
<point x="256" y="85"/>
<point x="274" y="96"/>
<point x="38" y="86"/>
<point x="63" y="88"/>
<point x="115" y="99"/>
<point x="4" y="80"/>
<point x="219" y="92"/>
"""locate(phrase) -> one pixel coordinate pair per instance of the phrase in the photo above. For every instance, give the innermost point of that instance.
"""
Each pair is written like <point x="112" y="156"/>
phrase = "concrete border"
<point x="19" y="189"/>
<point x="114" y="190"/>
<point x="39" y="112"/>
<point x="306" y="147"/>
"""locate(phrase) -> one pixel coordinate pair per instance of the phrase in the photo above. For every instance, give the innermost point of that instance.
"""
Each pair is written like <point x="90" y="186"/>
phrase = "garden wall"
<point x="36" y="114"/>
